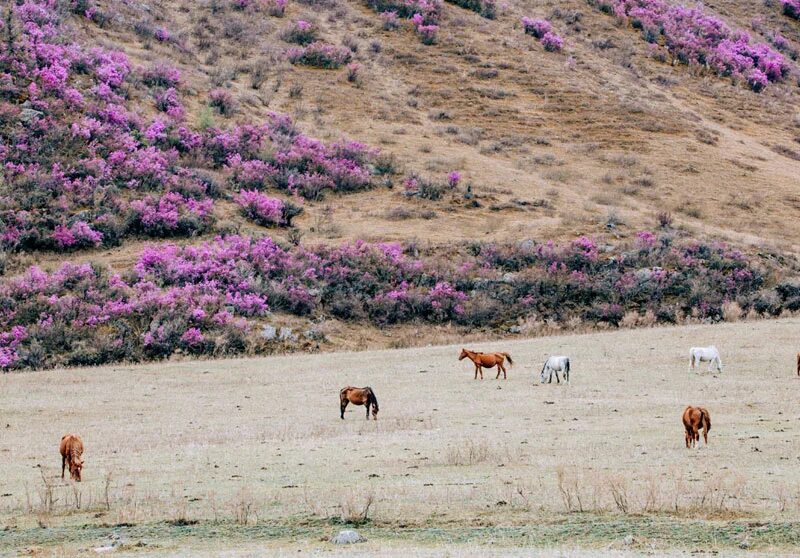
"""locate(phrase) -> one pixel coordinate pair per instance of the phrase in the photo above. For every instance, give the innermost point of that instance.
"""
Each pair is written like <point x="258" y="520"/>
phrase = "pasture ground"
<point x="249" y="457"/>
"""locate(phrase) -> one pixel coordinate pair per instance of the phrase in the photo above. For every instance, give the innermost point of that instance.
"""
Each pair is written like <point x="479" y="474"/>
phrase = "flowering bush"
<point x="79" y="235"/>
<point x="543" y="30"/>
<point x="301" y="32"/>
<point x="266" y="211"/>
<point x="693" y="37"/>
<point x="206" y="298"/>
<point x="552" y="42"/>
<point x="390" y="22"/>
<point x="426" y="33"/>
<point x="353" y="72"/>
<point x="486" y="8"/>
<point x="430" y="10"/>
<point x="536" y="27"/>
<point x="161" y="75"/>
<point x="171" y="214"/>
<point x="319" y="55"/>
<point x="222" y="101"/>
<point x="791" y="8"/>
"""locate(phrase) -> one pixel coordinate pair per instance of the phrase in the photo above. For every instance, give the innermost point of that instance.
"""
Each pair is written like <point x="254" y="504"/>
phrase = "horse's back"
<point x="71" y="444"/>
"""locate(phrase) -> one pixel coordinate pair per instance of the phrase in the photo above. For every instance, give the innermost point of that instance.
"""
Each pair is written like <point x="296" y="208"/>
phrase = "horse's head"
<point x="75" y="469"/>
<point x="464" y="354"/>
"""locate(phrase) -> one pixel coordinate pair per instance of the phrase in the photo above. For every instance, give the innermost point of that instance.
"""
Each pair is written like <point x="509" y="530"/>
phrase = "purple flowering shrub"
<point x="301" y="32"/>
<point x="791" y="8"/>
<point x="390" y="21"/>
<point x="543" y="30"/>
<point x="210" y="298"/>
<point x="430" y="10"/>
<point x="536" y="27"/>
<point x="694" y="37"/>
<point x="222" y="101"/>
<point x="75" y="151"/>
<point x="265" y="210"/>
<point x="486" y="8"/>
<point x="552" y="42"/>
<point x="319" y="55"/>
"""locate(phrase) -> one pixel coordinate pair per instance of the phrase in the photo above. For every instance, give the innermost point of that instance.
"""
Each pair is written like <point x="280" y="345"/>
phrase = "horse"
<point x="359" y="396"/>
<point x="556" y="364"/>
<point x="705" y="354"/>
<point x="487" y="360"/>
<point x="71" y="449"/>
<point x="695" y="418"/>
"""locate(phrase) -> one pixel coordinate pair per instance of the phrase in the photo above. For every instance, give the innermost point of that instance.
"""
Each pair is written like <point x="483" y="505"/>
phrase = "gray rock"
<point x="286" y="334"/>
<point x="348" y="536"/>
<point x="269" y="333"/>
<point x="629" y="540"/>
<point x="515" y="329"/>
<point x="27" y="114"/>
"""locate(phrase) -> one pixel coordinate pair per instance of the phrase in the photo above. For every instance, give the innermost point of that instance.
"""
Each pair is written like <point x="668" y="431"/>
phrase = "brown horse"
<point x="72" y="455"/>
<point x="695" y="418"/>
<point x="359" y="396"/>
<point x="487" y="360"/>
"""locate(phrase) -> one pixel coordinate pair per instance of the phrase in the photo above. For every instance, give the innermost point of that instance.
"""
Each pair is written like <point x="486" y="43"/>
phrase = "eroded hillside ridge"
<point x="102" y="148"/>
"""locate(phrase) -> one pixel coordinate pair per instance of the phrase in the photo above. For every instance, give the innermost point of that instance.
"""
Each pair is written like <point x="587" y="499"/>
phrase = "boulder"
<point x="348" y="536"/>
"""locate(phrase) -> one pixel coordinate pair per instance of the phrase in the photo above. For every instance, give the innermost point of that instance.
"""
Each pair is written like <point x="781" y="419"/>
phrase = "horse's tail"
<point x="705" y="419"/>
<point x="372" y="399"/>
<point x="566" y="366"/>
<point x="510" y="360"/>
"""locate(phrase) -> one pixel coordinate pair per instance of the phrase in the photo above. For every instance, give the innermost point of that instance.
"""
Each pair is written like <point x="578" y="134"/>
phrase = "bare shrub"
<point x="618" y="487"/>
<point x="569" y="488"/>
<point x="467" y="452"/>
<point x="731" y="311"/>
<point x="243" y="507"/>
<point x="355" y="510"/>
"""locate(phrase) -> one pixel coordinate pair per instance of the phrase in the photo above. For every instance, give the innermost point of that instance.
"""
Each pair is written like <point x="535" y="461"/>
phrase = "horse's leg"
<point x="558" y="380"/>
<point x="63" y="464"/>
<point x="686" y="436"/>
<point x="476" y="371"/>
<point x="344" y="406"/>
<point x="499" y="366"/>
<point x="366" y="405"/>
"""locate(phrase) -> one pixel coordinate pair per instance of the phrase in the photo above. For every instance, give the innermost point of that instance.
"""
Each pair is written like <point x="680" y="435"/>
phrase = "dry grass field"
<point x="250" y="456"/>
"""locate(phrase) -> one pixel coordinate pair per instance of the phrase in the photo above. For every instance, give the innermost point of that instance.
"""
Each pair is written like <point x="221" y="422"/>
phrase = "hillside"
<point x="126" y="124"/>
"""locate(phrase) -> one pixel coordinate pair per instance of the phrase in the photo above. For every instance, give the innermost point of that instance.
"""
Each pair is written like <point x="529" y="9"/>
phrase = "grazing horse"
<point x="705" y="354"/>
<point x="72" y="455"/>
<point x="695" y="418"/>
<point x="359" y="396"/>
<point x="487" y="360"/>
<point x="555" y="364"/>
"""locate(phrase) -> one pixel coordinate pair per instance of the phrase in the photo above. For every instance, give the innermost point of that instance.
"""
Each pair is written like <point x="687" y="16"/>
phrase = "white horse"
<point x="705" y="354"/>
<point x="556" y="364"/>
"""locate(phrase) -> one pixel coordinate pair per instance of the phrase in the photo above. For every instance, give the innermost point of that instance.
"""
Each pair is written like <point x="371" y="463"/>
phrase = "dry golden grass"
<point x="260" y="440"/>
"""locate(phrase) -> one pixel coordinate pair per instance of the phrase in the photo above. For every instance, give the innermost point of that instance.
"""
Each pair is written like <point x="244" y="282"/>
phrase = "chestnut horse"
<point x="359" y="396"/>
<point x="695" y="418"/>
<point x="487" y="360"/>
<point x="71" y="449"/>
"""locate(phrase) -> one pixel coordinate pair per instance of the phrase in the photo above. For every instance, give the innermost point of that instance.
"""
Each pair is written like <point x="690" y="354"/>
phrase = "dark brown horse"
<point x="487" y="360"/>
<point x="695" y="418"/>
<point x="71" y="449"/>
<point x="359" y="396"/>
